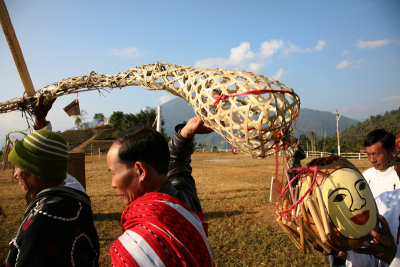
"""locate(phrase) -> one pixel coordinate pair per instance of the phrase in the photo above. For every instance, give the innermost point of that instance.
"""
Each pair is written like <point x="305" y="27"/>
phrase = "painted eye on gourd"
<point x="362" y="186"/>
<point x="339" y="198"/>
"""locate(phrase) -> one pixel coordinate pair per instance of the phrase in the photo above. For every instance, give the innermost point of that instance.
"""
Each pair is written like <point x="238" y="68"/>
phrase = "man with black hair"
<point x="385" y="186"/>
<point x="162" y="223"/>
<point x="380" y="147"/>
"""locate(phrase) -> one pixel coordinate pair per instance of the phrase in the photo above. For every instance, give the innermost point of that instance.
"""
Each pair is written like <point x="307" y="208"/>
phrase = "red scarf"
<point x="172" y="231"/>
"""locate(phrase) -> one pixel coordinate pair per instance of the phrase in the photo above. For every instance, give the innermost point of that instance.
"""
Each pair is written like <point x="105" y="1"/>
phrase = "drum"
<point x="332" y="205"/>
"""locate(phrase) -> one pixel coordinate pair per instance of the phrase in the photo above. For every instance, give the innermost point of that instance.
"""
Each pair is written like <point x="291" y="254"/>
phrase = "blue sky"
<point x="336" y="55"/>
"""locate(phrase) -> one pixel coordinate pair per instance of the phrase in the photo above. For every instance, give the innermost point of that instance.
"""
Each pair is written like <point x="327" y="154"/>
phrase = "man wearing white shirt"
<point x="380" y="147"/>
<point x="384" y="181"/>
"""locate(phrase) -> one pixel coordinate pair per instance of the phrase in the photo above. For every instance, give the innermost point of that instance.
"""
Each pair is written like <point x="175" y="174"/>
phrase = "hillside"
<point x="319" y="122"/>
<point x="105" y="137"/>
<point x="354" y="136"/>
<point x="177" y="110"/>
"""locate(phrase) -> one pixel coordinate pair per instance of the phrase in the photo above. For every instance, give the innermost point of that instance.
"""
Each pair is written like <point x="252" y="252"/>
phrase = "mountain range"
<point x="323" y="123"/>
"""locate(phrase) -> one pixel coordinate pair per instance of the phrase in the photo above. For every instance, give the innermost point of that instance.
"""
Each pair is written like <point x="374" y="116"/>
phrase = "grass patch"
<point x="76" y="137"/>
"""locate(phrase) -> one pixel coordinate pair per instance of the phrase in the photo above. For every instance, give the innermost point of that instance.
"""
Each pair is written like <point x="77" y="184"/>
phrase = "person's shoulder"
<point x="61" y="203"/>
<point x="392" y="171"/>
<point x="389" y="195"/>
<point x="368" y="171"/>
<point x="388" y="201"/>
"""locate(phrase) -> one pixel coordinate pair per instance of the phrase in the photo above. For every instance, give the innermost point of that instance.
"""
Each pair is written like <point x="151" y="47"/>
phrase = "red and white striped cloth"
<point x="159" y="230"/>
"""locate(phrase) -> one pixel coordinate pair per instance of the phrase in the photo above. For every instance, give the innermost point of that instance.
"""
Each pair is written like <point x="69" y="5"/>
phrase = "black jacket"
<point x="57" y="230"/>
<point x="180" y="181"/>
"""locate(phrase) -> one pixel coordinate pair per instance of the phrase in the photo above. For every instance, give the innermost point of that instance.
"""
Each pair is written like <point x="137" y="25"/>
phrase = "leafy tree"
<point x="146" y="117"/>
<point x="312" y="139"/>
<point x="352" y="139"/>
<point x="116" y="119"/>
<point x="78" y="122"/>
<point x="305" y="142"/>
<point x="128" y="121"/>
<point x="122" y="122"/>
<point x="99" y="117"/>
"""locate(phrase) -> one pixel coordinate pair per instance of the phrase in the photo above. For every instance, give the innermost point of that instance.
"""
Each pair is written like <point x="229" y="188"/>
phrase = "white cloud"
<point x="268" y="49"/>
<point x="255" y="67"/>
<point x="213" y="62"/>
<point x="320" y="46"/>
<point x="239" y="57"/>
<point x="240" y="54"/>
<point x="290" y="49"/>
<point x="391" y="99"/>
<point x="165" y="98"/>
<point x="279" y="74"/>
<point x="371" y="44"/>
<point x="128" y="52"/>
<point x="343" y="64"/>
<point x="349" y="64"/>
<point x="242" y="57"/>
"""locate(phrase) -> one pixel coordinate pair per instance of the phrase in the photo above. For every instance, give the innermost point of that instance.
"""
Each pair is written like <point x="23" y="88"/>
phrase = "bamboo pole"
<point x="15" y="49"/>
<point x="324" y="216"/>
<point x="315" y="237"/>
<point x="317" y="219"/>
<point x="288" y="233"/>
<point x="301" y="231"/>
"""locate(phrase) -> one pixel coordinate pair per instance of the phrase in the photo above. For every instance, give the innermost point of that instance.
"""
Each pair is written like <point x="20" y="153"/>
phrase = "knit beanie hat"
<point x="398" y="140"/>
<point x="42" y="153"/>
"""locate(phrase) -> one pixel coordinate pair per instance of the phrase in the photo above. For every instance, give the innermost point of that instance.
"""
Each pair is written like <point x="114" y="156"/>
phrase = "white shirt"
<point x="388" y="204"/>
<point x="382" y="181"/>
<point x="71" y="182"/>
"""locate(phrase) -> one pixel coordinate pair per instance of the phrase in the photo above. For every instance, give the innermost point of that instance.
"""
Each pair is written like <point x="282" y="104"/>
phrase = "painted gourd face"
<point x="350" y="203"/>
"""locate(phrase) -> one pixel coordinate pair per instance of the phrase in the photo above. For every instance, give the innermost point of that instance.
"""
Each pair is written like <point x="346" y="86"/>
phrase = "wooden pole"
<point x="15" y="49"/>
<point x="337" y="130"/>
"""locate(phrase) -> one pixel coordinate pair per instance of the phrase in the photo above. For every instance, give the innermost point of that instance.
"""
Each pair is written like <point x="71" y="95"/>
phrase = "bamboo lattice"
<point x="251" y="111"/>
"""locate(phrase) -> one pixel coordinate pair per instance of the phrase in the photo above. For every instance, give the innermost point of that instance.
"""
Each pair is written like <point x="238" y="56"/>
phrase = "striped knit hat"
<point x="398" y="140"/>
<point x="42" y="153"/>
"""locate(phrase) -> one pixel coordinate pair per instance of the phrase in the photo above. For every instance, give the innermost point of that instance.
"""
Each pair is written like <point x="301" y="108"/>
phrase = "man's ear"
<point x="24" y="174"/>
<point x="141" y="170"/>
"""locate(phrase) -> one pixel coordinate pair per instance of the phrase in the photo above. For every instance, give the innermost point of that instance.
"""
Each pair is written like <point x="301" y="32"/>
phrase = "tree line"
<point x="352" y="139"/>
<point x="124" y="121"/>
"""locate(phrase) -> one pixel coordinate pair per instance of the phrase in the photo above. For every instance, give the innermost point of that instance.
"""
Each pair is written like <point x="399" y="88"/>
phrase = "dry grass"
<point x="234" y="192"/>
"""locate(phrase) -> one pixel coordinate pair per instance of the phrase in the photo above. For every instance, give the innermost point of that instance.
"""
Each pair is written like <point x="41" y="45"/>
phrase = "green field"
<point x="234" y="192"/>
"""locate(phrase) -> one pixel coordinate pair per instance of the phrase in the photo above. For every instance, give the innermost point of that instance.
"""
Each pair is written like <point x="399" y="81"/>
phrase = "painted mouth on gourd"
<point x="361" y="218"/>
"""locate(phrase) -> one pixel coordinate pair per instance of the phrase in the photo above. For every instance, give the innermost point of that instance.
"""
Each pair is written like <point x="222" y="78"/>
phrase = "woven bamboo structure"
<point x="251" y="111"/>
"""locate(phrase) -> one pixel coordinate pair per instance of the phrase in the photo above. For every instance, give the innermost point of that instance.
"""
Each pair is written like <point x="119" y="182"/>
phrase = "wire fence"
<point x="348" y="155"/>
<point x="309" y="154"/>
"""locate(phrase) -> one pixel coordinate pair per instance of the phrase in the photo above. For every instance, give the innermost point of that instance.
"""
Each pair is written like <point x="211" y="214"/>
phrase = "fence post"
<point x="76" y="166"/>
